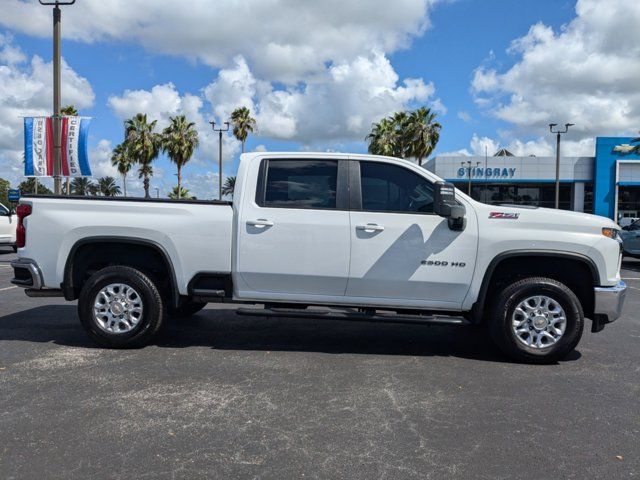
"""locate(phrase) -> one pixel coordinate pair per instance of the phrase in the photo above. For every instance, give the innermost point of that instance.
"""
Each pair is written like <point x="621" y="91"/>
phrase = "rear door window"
<point x="308" y="184"/>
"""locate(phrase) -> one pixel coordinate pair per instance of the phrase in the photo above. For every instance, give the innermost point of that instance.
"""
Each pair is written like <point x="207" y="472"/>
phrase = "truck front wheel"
<point x="120" y="307"/>
<point x="536" y="320"/>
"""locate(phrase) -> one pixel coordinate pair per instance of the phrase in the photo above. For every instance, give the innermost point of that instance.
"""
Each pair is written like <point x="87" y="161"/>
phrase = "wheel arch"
<point x="547" y="263"/>
<point x="71" y="286"/>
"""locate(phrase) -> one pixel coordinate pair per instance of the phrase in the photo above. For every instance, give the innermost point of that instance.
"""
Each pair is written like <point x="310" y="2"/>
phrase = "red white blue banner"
<point x="38" y="147"/>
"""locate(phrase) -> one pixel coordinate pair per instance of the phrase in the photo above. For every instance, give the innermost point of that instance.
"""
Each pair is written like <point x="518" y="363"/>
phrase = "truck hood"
<point x="547" y="218"/>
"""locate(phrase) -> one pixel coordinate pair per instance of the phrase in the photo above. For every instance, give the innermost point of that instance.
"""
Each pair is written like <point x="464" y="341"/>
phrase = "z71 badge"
<point x="504" y="215"/>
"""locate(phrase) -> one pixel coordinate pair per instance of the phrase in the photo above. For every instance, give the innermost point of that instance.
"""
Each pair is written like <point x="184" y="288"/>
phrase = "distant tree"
<point x="383" y="138"/>
<point x="4" y="192"/>
<point x="405" y="134"/>
<point x="243" y="124"/>
<point x="229" y="186"/>
<point x="29" y="186"/>
<point x="183" y="194"/>
<point x="121" y="160"/>
<point x="107" y="187"/>
<point x="144" y="146"/>
<point x="69" y="111"/>
<point x="423" y="133"/>
<point x="179" y="140"/>
<point x="82" y="186"/>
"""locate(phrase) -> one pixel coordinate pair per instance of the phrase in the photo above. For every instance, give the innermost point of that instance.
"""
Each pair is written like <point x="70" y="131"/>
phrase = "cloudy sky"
<point x="316" y="74"/>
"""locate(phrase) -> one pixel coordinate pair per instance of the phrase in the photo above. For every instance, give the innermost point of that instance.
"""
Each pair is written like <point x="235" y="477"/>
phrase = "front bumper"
<point x="27" y="274"/>
<point x="609" y="301"/>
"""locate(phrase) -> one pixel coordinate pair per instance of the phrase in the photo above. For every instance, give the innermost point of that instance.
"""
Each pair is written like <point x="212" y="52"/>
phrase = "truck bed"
<point x="196" y="234"/>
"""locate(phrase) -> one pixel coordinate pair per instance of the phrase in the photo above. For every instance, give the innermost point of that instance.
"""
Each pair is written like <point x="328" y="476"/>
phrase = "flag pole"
<point x="57" y="147"/>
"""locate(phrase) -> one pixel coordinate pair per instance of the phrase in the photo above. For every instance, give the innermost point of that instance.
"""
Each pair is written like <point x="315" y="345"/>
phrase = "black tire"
<point x="500" y="322"/>
<point x="152" y="307"/>
<point x="185" y="310"/>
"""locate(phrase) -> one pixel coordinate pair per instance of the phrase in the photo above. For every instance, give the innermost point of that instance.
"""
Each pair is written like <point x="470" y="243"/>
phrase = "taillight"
<point x="22" y="211"/>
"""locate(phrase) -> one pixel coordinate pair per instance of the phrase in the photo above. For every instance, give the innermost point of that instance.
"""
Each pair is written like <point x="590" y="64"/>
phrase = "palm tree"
<point x="144" y="146"/>
<point x="120" y="159"/>
<point x="383" y="138"/>
<point x="401" y="126"/>
<point x="30" y="184"/>
<point x="107" y="187"/>
<point x="179" y="140"/>
<point x="243" y="124"/>
<point x="183" y="194"/>
<point x="405" y="134"/>
<point x="81" y="186"/>
<point x="423" y="132"/>
<point x="69" y="111"/>
<point x="229" y="186"/>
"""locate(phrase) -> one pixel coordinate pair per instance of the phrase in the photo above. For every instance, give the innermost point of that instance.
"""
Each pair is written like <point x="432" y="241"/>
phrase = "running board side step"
<point x="353" y="316"/>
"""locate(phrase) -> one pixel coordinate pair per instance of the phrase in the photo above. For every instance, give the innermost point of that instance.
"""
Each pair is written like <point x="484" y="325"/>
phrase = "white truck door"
<point x="400" y="248"/>
<point x="7" y="226"/>
<point x="293" y="234"/>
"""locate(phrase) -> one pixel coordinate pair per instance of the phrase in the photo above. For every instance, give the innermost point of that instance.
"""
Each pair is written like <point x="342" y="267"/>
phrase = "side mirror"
<point x="445" y="205"/>
<point x="626" y="227"/>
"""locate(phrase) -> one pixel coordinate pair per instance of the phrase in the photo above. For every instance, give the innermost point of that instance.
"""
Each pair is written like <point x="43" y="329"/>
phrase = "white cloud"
<point x="464" y="116"/>
<point x="540" y="147"/>
<point x="338" y="104"/>
<point x="586" y="73"/>
<point x="26" y="90"/>
<point x="285" y="40"/>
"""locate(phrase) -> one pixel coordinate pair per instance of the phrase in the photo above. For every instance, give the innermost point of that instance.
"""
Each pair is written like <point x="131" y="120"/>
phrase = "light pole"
<point x="468" y="164"/>
<point x="219" y="130"/>
<point x="57" y="147"/>
<point x="558" y="133"/>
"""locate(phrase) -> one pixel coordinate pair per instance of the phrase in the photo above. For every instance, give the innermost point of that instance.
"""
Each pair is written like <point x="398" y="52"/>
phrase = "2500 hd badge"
<point x="442" y="263"/>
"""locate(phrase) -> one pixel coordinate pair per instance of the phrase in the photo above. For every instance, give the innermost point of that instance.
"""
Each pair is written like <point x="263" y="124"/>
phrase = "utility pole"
<point x="486" y="161"/>
<point x="558" y="133"/>
<point x="219" y="130"/>
<point x="468" y="164"/>
<point x="57" y="147"/>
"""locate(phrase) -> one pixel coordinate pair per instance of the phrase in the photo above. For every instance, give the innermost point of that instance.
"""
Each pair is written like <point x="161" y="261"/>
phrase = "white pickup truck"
<point x="8" y="222"/>
<point x="373" y="238"/>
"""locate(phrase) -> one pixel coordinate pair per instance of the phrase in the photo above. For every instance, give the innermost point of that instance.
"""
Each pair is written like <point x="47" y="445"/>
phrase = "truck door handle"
<point x="261" y="222"/>
<point x="370" y="227"/>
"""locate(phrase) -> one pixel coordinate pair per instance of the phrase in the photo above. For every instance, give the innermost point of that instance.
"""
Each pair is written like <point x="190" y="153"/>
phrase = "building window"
<point x="628" y="201"/>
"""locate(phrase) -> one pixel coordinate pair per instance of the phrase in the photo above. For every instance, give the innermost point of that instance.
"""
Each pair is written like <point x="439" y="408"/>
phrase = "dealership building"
<point x="606" y="184"/>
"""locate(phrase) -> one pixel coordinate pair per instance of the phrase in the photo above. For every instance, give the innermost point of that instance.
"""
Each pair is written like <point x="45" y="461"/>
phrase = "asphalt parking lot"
<point x="225" y="396"/>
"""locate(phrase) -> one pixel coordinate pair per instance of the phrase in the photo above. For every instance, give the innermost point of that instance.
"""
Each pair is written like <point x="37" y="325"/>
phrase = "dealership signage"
<point x="477" y="172"/>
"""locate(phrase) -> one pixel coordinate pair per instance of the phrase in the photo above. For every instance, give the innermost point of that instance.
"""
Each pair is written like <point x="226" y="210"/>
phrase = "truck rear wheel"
<point x="536" y="320"/>
<point x="120" y="307"/>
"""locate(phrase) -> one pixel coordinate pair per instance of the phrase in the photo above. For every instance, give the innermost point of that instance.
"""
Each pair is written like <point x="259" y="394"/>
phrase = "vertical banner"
<point x="38" y="147"/>
<point x="75" y="157"/>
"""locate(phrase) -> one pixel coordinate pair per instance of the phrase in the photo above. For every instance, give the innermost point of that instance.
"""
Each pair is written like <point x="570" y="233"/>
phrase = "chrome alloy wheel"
<point x="539" y="321"/>
<point x="117" y="308"/>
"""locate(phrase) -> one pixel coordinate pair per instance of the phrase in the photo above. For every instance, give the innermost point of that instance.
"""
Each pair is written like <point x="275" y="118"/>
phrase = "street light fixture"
<point x="57" y="145"/>
<point x="558" y="132"/>
<point x="219" y="130"/>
